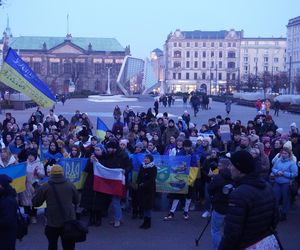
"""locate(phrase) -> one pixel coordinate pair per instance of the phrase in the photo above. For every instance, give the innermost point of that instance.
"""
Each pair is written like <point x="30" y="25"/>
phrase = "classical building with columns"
<point x="293" y="52"/>
<point x="62" y="62"/>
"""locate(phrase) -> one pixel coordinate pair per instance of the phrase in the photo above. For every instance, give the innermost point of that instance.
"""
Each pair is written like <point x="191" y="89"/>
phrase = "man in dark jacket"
<point x="8" y="214"/>
<point x="68" y="196"/>
<point x="219" y="199"/>
<point x="252" y="213"/>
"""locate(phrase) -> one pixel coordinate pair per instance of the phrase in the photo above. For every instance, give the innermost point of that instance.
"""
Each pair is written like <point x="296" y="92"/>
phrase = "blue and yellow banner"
<point x="18" y="174"/>
<point x="16" y="74"/>
<point x="173" y="172"/>
<point x="101" y="129"/>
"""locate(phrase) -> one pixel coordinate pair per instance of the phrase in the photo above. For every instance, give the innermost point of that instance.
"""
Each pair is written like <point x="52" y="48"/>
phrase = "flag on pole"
<point x="101" y="129"/>
<point x="108" y="180"/>
<point x="18" y="174"/>
<point x="16" y="74"/>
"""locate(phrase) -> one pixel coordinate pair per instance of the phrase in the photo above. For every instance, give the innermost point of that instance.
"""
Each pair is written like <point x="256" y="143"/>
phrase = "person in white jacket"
<point x="35" y="171"/>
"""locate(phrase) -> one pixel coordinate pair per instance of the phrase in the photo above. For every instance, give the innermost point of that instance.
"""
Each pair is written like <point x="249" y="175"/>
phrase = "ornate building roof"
<point x="38" y="43"/>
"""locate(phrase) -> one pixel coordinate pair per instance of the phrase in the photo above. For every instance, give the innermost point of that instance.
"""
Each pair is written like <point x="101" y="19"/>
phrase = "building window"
<point x="245" y="59"/>
<point x="219" y="76"/>
<point x="204" y="54"/>
<point x="67" y="68"/>
<point x="228" y="76"/>
<point x="233" y="44"/>
<point x="54" y="68"/>
<point x="266" y="68"/>
<point x="212" y="44"/>
<point x="245" y="51"/>
<point x="276" y="69"/>
<point x="196" y="54"/>
<point x="187" y="76"/>
<point x="195" y="76"/>
<point x="179" y="44"/>
<point x="245" y="68"/>
<point x="176" y="64"/>
<point x="187" y="44"/>
<point x="177" y="54"/>
<point x="233" y="76"/>
<point x="97" y="68"/>
<point x="179" y="76"/>
<point x="220" y="65"/>
<point x="255" y="59"/>
<point x="212" y="64"/>
<point x="212" y="54"/>
<point x="211" y="76"/>
<point x="195" y="64"/>
<point x="175" y="44"/>
<point x="37" y="67"/>
<point x="204" y="44"/>
<point x="203" y="65"/>
<point x="276" y="60"/>
<point x="187" y="64"/>
<point x="187" y="54"/>
<point x="196" y="44"/>
<point x="203" y="76"/>
<point x="231" y="65"/>
<point x="80" y="67"/>
<point x="231" y="54"/>
<point x="266" y="59"/>
<point x="256" y="43"/>
<point x="276" y="43"/>
<point x="229" y="44"/>
<point x="220" y="54"/>
<point x="220" y="44"/>
<point x="174" y="76"/>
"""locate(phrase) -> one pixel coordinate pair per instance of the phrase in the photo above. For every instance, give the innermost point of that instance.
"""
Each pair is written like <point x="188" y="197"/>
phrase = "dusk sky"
<point x="144" y="25"/>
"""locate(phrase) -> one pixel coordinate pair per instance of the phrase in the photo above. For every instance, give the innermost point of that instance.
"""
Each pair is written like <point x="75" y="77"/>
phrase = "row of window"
<point x="177" y="54"/>
<point x="266" y="59"/>
<point x="230" y="65"/>
<point x="204" y="76"/>
<point x="204" y="44"/>
<point x="68" y="68"/>
<point x="266" y="68"/>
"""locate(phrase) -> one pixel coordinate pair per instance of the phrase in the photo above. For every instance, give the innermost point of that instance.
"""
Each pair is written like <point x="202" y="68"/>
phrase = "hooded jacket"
<point x="252" y="213"/>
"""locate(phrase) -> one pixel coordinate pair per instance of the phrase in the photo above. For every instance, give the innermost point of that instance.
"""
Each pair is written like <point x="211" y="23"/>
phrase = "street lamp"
<point x="108" y="92"/>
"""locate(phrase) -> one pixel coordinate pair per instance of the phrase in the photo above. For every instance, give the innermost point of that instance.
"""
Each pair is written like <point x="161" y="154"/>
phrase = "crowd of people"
<point x="258" y="165"/>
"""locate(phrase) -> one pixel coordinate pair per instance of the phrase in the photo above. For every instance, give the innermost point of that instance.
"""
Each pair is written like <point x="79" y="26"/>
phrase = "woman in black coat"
<point x="8" y="214"/>
<point x="146" y="187"/>
<point x="95" y="202"/>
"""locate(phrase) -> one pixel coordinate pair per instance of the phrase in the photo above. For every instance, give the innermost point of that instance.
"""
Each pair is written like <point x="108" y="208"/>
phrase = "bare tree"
<point x="296" y="81"/>
<point x="280" y="81"/>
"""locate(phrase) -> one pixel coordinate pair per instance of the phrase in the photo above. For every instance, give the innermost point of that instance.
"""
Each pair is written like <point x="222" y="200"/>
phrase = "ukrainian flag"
<point x="18" y="174"/>
<point x="101" y="129"/>
<point x="16" y="74"/>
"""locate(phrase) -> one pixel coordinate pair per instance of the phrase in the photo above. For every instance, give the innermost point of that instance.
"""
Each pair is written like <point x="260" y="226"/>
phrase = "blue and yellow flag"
<point x="73" y="169"/>
<point x="16" y="74"/>
<point x="18" y="174"/>
<point x="101" y="129"/>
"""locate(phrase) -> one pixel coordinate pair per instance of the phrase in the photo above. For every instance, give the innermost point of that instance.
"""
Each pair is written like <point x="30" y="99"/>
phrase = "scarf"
<point x="149" y="165"/>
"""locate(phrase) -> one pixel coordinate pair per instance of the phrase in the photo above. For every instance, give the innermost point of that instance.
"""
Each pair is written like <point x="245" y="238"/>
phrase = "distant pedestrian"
<point x="170" y="100"/>
<point x="268" y="106"/>
<point x="228" y="106"/>
<point x="276" y="108"/>
<point x="156" y="105"/>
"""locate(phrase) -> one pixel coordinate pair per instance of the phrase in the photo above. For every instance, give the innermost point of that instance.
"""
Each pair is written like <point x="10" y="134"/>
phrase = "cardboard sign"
<point x="225" y="133"/>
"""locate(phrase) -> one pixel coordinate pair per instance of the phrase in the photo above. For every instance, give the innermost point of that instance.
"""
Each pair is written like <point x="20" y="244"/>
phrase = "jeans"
<point x="282" y="191"/>
<point x="116" y="203"/>
<point x="52" y="234"/>
<point x="217" y="223"/>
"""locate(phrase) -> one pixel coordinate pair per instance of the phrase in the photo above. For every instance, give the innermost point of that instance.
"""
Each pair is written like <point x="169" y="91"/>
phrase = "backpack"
<point x="22" y="225"/>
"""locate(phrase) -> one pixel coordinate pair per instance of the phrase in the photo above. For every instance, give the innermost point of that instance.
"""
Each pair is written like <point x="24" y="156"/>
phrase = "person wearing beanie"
<point x="284" y="171"/>
<point x="293" y="128"/>
<point x="252" y="211"/>
<point x="171" y="130"/>
<point x="8" y="214"/>
<point x="146" y="188"/>
<point x="67" y="195"/>
<point x="34" y="172"/>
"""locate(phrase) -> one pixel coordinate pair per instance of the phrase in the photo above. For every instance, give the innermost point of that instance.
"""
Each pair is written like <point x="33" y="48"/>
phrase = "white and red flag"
<point x="109" y="180"/>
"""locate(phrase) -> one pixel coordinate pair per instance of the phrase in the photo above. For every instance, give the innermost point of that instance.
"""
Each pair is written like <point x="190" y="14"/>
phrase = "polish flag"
<point x="108" y="180"/>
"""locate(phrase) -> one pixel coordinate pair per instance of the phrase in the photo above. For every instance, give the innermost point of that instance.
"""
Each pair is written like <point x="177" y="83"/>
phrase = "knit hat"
<point x="187" y="143"/>
<point x="57" y="170"/>
<point x="279" y="130"/>
<point x="293" y="125"/>
<point x="179" y="118"/>
<point x="139" y="145"/>
<point x="288" y="145"/>
<point x="124" y="141"/>
<point x="243" y="161"/>
<point x="5" y="180"/>
<point x="171" y="121"/>
<point x="112" y="144"/>
<point x="269" y="118"/>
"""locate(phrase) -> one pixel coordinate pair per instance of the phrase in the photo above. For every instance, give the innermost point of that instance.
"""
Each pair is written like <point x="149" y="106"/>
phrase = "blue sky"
<point x="144" y="25"/>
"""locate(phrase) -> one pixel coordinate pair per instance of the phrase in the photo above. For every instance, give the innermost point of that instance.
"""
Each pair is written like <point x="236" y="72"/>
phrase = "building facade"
<point x="68" y="63"/>
<point x="201" y="60"/>
<point x="158" y="65"/>
<point x="293" y="53"/>
<point x="259" y="55"/>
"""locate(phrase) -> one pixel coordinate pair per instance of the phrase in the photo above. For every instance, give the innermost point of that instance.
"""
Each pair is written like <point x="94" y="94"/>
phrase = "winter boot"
<point x="148" y="223"/>
<point x="98" y="220"/>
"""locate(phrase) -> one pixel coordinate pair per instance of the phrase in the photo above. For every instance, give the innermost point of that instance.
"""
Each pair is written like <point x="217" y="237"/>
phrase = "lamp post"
<point x="108" y="92"/>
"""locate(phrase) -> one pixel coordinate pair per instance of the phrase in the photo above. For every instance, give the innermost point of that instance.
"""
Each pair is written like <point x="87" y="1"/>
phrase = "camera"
<point x="227" y="189"/>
